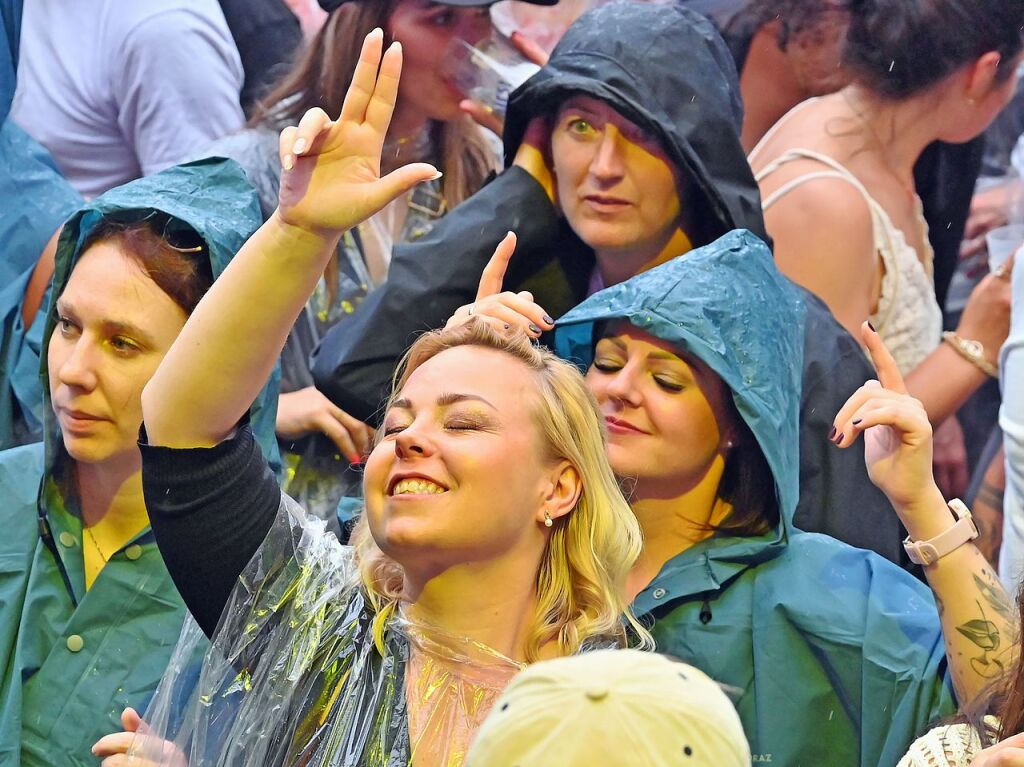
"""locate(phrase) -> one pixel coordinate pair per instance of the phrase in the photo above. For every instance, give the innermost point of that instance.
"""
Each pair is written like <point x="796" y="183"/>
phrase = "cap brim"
<point x="492" y="2"/>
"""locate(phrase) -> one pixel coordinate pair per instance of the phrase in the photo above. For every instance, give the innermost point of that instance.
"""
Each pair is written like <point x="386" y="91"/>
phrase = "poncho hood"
<point x="727" y="305"/>
<point x="665" y="68"/>
<point x="210" y="197"/>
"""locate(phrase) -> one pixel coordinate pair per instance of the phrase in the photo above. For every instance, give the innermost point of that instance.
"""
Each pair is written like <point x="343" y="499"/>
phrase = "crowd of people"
<point x="643" y="414"/>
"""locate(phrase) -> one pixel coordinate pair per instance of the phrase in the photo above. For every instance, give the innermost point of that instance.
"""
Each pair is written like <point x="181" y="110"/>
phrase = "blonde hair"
<point x="581" y="581"/>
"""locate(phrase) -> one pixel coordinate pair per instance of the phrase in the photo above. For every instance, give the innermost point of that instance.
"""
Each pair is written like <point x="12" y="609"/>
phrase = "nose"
<point x="474" y="26"/>
<point x="622" y="388"/>
<point x="78" y="367"/>
<point x="607" y="164"/>
<point x="413" y="442"/>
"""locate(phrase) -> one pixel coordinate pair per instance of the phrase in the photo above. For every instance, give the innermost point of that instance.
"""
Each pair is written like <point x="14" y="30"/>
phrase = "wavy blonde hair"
<point x="582" y="579"/>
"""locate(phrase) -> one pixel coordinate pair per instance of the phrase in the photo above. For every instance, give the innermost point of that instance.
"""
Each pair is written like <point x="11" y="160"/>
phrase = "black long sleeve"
<point x="210" y="509"/>
<point x="430" y="278"/>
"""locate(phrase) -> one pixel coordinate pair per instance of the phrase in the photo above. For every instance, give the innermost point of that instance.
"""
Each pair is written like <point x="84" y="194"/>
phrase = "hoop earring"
<point x="547" y="520"/>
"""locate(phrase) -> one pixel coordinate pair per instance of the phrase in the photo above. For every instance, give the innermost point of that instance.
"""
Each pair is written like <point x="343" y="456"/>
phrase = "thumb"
<point x="400" y="181"/>
<point x="130" y="719"/>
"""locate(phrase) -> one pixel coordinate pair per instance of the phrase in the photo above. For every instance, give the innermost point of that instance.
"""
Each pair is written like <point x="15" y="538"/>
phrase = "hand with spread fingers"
<point x="896" y="429"/>
<point x="503" y="310"/>
<point x="123" y="748"/>
<point x="331" y="168"/>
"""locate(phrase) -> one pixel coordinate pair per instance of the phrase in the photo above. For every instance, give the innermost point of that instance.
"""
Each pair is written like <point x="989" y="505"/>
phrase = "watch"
<point x="962" y="531"/>
<point x="972" y="351"/>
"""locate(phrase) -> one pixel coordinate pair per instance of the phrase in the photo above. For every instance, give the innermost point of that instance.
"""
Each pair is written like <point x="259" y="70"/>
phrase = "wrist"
<point x="926" y="516"/>
<point x="288" y="233"/>
<point x="973" y="351"/>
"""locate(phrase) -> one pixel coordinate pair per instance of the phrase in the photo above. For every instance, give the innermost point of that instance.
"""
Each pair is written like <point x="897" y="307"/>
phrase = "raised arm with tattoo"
<point x="977" y="615"/>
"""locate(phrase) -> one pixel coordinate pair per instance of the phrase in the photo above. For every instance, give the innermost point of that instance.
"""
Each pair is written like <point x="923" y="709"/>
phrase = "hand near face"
<point x="118" y="747"/>
<point x="308" y="410"/>
<point x="485" y="116"/>
<point x="897" y="433"/>
<point x="331" y="168"/>
<point x="503" y="310"/>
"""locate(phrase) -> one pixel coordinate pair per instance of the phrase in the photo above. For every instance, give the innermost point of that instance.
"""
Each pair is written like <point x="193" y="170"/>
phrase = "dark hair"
<point x="899" y="48"/>
<point x="171" y="254"/>
<point x="747" y="484"/>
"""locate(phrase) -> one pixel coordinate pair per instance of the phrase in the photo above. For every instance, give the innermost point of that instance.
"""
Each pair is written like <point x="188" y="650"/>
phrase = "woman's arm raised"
<point x="977" y="615"/>
<point x="330" y="182"/>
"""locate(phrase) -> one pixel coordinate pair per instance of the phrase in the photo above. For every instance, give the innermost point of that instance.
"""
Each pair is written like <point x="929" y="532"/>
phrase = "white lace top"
<point x="951" y="745"/>
<point x="908" y="317"/>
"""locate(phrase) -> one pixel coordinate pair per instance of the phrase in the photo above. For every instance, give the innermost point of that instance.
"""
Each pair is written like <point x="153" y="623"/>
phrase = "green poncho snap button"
<point x="75" y="643"/>
<point x="67" y="540"/>
<point x="133" y="552"/>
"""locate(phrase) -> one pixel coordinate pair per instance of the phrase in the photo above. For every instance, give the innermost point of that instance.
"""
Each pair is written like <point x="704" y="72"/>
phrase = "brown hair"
<point x="321" y="77"/>
<point x="179" y="264"/>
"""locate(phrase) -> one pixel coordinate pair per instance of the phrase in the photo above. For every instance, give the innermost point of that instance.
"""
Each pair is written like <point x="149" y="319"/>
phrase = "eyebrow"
<point x="111" y="327"/>
<point x="445" y="400"/>
<point x="669" y="356"/>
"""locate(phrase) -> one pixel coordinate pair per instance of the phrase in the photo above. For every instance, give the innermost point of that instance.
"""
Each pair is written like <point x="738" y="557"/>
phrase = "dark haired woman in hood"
<point x="665" y="71"/>
<point x="88" y="612"/>
<point x="837" y="655"/>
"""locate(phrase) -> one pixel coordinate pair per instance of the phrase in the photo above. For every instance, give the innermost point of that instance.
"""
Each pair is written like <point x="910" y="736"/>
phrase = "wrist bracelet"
<point x="972" y="351"/>
<point x="952" y="538"/>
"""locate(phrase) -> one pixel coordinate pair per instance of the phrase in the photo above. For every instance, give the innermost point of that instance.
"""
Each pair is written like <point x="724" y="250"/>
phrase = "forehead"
<point x="499" y="378"/>
<point x="597" y="108"/>
<point x="106" y="281"/>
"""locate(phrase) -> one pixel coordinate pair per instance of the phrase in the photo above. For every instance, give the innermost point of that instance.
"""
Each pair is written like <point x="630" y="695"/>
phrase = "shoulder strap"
<point x="837" y="171"/>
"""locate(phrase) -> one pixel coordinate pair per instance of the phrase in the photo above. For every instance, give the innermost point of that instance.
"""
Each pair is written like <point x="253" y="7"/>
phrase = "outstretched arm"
<point x="229" y="345"/>
<point x="978" y="623"/>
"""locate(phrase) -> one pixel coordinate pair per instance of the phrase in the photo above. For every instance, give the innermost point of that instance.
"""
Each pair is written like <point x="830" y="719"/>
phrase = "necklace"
<point x="96" y="544"/>
<point x="416" y="147"/>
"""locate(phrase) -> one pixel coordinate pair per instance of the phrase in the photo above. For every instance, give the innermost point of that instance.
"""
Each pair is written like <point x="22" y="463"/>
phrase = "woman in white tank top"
<point x="836" y="177"/>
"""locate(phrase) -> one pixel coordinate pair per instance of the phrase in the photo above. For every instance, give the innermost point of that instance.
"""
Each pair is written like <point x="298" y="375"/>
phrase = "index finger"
<point x="888" y="372"/>
<point x="493" y="275"/>
<point x="364" y="78"/>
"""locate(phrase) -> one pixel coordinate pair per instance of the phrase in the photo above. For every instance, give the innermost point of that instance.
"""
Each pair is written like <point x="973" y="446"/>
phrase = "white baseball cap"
<point x="613" y="708"/>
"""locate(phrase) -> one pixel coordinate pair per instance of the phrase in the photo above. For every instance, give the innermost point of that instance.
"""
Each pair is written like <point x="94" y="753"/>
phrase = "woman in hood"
<point x="838" y="655"/>
<point x="89" y="613"/>
<point x="673" y="175"/>
<point x="495" y="532"/>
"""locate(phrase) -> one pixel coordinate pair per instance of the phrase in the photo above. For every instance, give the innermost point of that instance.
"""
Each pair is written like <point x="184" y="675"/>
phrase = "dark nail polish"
<point x="839" y="438"/>
<point x="832" y="432"/>
<point x="856" y="421"/>
<point x="534" y="329"/>
<point x="507" y="326"/>
<point x="549" y="320"/>
<point x="872" y="327"/>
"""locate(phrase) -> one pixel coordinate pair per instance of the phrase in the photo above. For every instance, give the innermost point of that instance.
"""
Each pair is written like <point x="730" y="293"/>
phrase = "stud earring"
<point x="547" y="520"/>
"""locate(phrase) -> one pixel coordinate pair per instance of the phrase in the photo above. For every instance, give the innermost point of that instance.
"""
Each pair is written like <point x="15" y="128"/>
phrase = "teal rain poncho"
<point x="75" y="658"/>
<point x="836" y="654"/>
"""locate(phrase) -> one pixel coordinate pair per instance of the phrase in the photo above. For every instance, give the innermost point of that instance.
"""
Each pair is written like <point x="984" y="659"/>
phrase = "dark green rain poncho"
<point x="73" y="660"/>
<point x="836" y="654"/>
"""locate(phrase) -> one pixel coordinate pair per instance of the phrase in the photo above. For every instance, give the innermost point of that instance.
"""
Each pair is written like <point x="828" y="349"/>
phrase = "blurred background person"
<point x="116" y="91"/>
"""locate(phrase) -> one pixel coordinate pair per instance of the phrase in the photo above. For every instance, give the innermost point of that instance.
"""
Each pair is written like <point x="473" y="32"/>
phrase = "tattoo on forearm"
<point x="990" y="495"/>
<point x="985" y="634"/>
<point x="996" y="599"/>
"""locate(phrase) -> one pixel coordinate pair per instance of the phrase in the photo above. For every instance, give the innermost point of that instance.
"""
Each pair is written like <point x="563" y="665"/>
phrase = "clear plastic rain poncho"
<point x="294" y="675"/>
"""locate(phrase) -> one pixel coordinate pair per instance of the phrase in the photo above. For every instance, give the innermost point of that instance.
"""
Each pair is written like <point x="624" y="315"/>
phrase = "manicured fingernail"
<point x="299" y="147"/>
<point x="437" y="174"/>
<point x="872" y="327"/>
<point x="534" y="329"/>
<point x="549" y="320"/>
<point x="507" y="326"/>
<point x="839" y="438"/>
<point x="288" y="162"/>
<point x="832" y="432"/>
<point x="857" y="421"/>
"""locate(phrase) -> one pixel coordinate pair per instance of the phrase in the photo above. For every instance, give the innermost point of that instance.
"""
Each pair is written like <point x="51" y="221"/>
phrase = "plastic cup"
<point x="490" y="70"/>
<point x="1003" y="243"/>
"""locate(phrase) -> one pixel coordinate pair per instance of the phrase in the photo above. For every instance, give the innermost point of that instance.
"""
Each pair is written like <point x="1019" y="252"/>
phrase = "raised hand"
<point x="896" y="429"/>
<point x="331" y="168"/>
<point x="503" y="310"/>
<point x="135" y="747"/>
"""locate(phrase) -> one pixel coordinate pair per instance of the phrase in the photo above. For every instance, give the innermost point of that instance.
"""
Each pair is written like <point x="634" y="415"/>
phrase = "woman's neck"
<point x="490" y="602"/>
<point x="111" y="490"/>
<point x="620" y="264"/>
<point x="900" y="130"/>
<point x="673" y="522"/>
<point x="403" y="139"/>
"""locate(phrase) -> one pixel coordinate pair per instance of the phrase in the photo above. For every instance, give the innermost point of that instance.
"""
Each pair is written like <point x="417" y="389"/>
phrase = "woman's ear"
<point x="982" y="76"/>
<point x="563" y="493"/>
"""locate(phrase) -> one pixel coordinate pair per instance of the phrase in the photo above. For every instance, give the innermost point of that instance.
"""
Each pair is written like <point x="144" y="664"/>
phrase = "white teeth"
<point x="417" y="487"/>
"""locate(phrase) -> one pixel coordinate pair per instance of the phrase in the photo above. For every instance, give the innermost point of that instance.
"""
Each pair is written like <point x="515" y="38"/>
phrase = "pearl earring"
<point x="547" y="520"/>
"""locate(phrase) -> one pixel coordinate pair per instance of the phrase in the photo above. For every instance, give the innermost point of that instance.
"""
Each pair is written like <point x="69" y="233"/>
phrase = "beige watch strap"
<point x="960" y="532"/>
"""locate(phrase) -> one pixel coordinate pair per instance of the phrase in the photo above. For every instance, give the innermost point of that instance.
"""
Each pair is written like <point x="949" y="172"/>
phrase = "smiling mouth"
<point x="416" y="486"/>
<point x="619" y="426"/>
